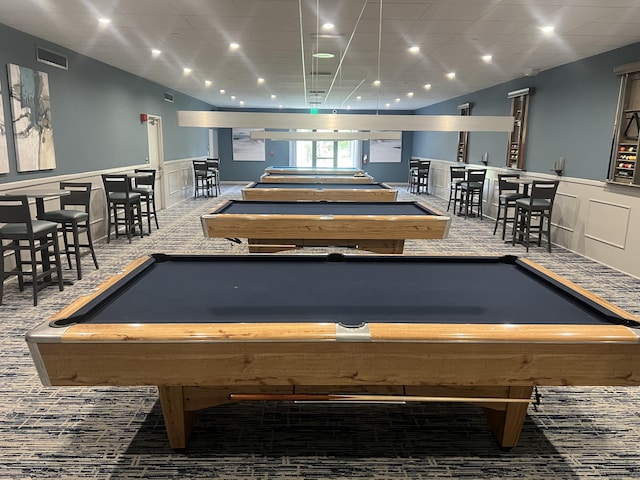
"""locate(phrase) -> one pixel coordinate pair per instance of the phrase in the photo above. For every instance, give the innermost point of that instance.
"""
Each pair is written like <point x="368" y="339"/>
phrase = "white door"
<point x="213" y="143"/>
<point x="156" y="156"/>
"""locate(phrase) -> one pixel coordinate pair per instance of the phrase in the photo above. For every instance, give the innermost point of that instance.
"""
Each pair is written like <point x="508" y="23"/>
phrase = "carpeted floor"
<point x="118" y="433"/>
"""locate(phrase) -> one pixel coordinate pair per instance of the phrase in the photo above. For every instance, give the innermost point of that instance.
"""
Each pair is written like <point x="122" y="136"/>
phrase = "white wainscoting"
<point x="592" y="218"/>
<point x="608" y="223"/>
<point x="178" y="186"/>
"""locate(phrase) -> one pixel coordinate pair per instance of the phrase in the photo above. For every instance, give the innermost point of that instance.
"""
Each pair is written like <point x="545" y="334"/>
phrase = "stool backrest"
<point x="149" y="179"/>
<point x="476" y="175"/>
<point x="544" y="190"/>
<point x="15" y="209"/>
<point x="213" y="163"/>
<point x="414" y="163"/>
<point x="458" y="173"/>
<point x="200" y="167"/>
<point x="80" y="195"/>
<point x="424" y="165"/>
<point x="116" y="184"/>
<point x="504" y="185"/>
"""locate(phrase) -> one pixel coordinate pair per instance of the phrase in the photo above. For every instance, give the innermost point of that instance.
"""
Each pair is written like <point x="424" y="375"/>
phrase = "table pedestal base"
<point x="273" y="245"/>
<point x="505" y="414"/>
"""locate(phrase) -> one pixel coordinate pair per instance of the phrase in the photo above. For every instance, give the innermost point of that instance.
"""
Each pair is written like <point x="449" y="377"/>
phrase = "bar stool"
<point x="458" y="175"/>
<point x="120" y="198"/>
<point x="422" y="177"/>
<point x="538" y="206"/>
<point x="213" y="165"/>
<point x="41" y="238"/>
<point x="202" y="177"/>
<point x="145" y="186"/>
<point x="74" y="222"/>
<point x="412" y="182"/>
<point x="471" y="192"/>
<point x="508" y="193"/>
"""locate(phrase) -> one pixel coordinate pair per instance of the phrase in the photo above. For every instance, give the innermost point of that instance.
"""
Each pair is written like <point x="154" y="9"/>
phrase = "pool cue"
<point x="321" y="397"/>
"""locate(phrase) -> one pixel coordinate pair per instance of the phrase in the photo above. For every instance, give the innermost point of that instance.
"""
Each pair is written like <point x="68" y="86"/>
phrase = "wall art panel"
<point x="31" y="119"/>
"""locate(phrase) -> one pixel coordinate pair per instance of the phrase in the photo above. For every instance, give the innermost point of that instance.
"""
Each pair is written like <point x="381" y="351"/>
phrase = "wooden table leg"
<point x="178" y="421"/>
<point x="506" y="422"/>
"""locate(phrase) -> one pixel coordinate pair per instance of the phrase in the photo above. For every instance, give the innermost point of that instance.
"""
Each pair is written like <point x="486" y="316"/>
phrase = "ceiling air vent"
<point x="317" y="92"/>
<point x="52" y="58"/>
<point x="320" y="74"/>
<point x="168" y="97"/>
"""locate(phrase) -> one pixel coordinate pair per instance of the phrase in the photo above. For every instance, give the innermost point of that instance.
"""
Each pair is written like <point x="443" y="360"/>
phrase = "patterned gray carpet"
<point x="118" y="433"/>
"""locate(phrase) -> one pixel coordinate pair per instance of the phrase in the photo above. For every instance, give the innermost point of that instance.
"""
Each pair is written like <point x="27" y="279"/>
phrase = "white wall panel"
<point x="607" y="222"/>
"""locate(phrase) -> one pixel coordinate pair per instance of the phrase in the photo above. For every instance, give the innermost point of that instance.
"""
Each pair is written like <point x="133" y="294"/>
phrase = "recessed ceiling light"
<point x="234" y="46"/>
<point x="427" y="86"/>
<point x="397" y="100"/>
<point x="273" y="97"/>
<point x="323" y="55"/>
<point x="279" y="106"/>
<point x="233" y="97"/>
<point x="241" y="102"/>
<point x="155" y="52"/>
<point x="104" y="21"/>
<point x="358" y="97"/>
<point x="207" y="83"/>
<point x="186" y="70"/>
<point x="260" y="80"/>
<point x="410" y="94"/>
<point x="222" y="90"/>
<point x="487" y="58"/>
<point x="414" y="49"/>
<point x="328" y="26"/>
<point x="348" y="107"/>
<point x="547" y="29"/>
<point x="451" y="75"/>
<point x="387" y="105"/>
<point x="377" y="83"/>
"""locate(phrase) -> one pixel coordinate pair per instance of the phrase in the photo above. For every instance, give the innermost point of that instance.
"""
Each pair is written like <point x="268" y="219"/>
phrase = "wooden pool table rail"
<point x="326" y="194"/>
<point x="270" y="178"/>
<point x="383" y="234"/>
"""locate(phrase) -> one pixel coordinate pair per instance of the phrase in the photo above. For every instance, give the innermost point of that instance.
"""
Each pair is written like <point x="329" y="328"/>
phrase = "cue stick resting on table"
<point x="346" y="397"/>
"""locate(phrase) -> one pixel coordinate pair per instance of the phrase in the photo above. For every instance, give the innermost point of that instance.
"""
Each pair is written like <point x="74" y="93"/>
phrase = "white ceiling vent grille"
<point x="168" y="97"/>
<point x="52" y="58"/>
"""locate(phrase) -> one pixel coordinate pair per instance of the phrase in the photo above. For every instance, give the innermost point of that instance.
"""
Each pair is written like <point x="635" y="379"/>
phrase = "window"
<point x="325" y="153"/>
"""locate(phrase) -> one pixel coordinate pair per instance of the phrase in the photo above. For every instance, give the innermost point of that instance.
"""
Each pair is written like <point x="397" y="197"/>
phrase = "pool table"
<point x="287" y="170"/>
<point x="301" y="178"/>
<point x="341" y="192"/>
<point x="379" y="227"/>
<point x="209" y="330"/>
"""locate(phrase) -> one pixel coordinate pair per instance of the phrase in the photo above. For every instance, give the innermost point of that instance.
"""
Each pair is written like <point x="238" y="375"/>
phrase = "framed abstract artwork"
<point x="385" y="151"/>
<point x="31" y="119"/>
<point x="4" y="154"/>
<point x="246" y="148"/>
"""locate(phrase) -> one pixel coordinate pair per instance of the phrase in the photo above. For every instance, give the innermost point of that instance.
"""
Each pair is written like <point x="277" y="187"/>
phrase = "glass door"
<point x="326" y="153"/>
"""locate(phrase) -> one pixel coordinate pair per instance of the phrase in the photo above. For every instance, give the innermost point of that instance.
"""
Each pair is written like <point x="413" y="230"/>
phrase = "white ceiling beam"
<point x="262" y="134"/>
<point x="433" y="123"/>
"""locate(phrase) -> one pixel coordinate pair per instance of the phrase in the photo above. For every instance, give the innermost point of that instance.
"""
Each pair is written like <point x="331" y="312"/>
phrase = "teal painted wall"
<point x="96" y="112"/>
<point x="277" y="153"/>
<point x="571" y="115"/>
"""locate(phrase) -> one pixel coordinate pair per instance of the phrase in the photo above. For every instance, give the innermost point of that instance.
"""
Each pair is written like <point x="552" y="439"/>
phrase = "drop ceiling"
<point x="370" y="41"/>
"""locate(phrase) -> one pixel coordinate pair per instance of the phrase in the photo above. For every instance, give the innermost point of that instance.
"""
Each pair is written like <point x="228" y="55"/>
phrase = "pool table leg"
<point x="381" y="246"/>
<point x="507" y="419"/>
<point x="177" y="419"/>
